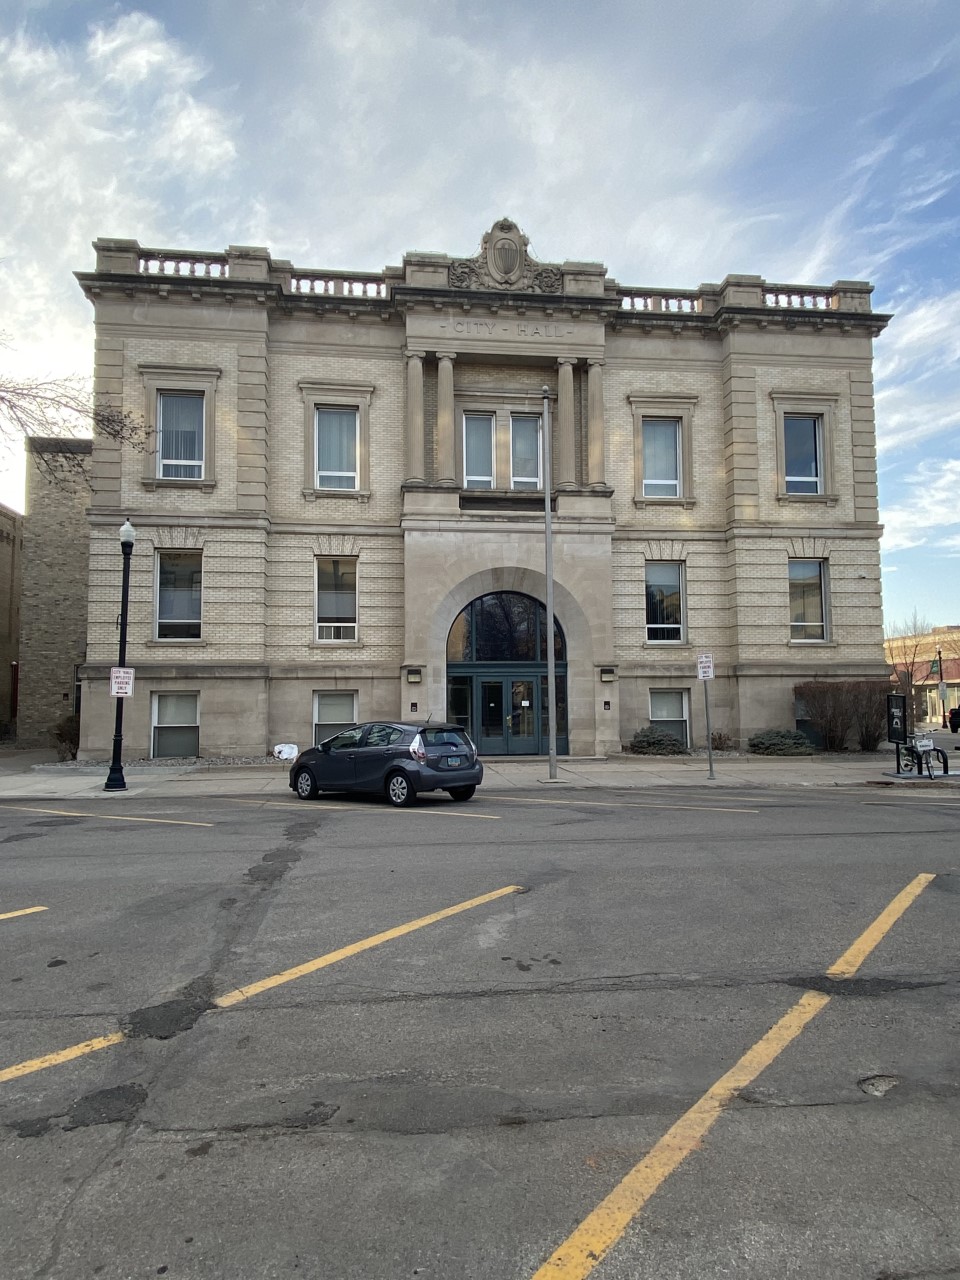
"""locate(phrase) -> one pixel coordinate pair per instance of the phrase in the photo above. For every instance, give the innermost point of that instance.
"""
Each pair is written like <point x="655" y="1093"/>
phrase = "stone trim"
<point x="321" y="395"/>
<point x="682" y="408"/>
<point x="170" y="377"/>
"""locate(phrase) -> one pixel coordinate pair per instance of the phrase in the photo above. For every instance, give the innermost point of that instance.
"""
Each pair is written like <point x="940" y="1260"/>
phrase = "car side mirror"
<point x="325" y="747"/>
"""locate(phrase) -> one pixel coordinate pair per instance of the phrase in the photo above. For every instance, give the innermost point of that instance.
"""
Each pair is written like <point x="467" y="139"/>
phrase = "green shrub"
<point x="780" y="742"/>
<point x="654" y="741"/>
<point x="66" y="737"/>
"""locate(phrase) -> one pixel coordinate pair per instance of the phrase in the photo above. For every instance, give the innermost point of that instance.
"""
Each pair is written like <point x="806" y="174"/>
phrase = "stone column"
<point x="415" y="469"/>
<point x="595" y="467"/>
<point x="566" y="470"/>
<point x="446" y="445"/>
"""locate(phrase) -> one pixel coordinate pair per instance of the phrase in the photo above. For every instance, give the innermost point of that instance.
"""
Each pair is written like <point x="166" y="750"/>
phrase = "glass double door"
<point x="508" y="714"/>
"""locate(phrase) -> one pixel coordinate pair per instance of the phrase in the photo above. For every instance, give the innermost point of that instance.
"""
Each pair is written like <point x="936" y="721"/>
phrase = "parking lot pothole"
<point x="877" y="1086"/>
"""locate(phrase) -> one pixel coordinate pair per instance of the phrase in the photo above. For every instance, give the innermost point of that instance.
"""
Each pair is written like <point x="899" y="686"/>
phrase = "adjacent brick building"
<point x="11" y="543"/>
<point x="340" y="505"/>
<point x="53" y="624"/>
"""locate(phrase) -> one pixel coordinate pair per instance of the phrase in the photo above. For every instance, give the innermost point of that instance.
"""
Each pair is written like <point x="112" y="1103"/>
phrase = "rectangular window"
<point x="179" y="585"/>
<point x="661" y="458"/>
<point x="478" y="451"/>
<point x="525" y="451"/>
<point x="180" y="435"/>
<point x="668" y="710"/>
<point x="338" y="432"/>
<point x="176" y="725"/>
<point x="803" y="453"/>
<point x="664" y="590"/>
<point x="807" y="600"/>
<point x="336" y="598"/>
<point x="333" y="711"/>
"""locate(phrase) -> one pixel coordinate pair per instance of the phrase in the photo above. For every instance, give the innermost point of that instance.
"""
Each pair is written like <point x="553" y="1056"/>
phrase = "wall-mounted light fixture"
<point x="414" y="675"/>
<point x="607" y="674"/>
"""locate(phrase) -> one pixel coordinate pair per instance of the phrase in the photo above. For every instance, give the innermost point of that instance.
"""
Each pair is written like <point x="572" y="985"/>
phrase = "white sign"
<point x="121" y="682"/>
<point x="704" y="666"/>
<point x="942" y="690"/>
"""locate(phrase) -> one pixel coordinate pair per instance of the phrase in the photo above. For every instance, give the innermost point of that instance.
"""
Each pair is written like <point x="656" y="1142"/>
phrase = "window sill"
<point x="824" y="499"/>
<point x="816" y="644"/>
<point x="336" y="644"/>
<point x="358" y="495"/>
<point x="166" y="644"/>
<point x="161" y="482"/>
<point x="666" y="644"/>
<point x="686" y="503"/>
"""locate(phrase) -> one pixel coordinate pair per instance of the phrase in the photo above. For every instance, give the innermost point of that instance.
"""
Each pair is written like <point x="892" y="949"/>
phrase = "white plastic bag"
<point x="286" y="751"/>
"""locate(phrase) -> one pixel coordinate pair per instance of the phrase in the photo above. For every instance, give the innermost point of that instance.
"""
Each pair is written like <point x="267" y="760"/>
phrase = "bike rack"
<point x="936" y="751"/>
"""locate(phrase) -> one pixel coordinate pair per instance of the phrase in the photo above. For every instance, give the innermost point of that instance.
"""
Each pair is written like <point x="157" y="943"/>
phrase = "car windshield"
<point x="445" y="737"/>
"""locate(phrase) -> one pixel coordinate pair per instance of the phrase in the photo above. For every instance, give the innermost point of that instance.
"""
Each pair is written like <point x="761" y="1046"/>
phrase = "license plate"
<point x="453" y="762"/>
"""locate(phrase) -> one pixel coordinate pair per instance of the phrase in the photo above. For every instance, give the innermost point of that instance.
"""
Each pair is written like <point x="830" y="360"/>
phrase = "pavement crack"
<point x="171" y="1017"/>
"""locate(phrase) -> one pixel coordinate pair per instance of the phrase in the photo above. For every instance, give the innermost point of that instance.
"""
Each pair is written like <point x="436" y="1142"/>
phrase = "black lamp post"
<point x="115" y="779"/>
<point x="943" y="704"/>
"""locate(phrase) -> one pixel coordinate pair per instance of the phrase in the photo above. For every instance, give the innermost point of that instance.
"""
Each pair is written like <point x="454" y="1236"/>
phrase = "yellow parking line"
<point x="288" y="975"/>
<point x="24" y="911"/>
<point x="244" y="993"/>
<point x="64" y="1055"/>
<point x="623" y="804"/>
<point x="108" y="817"/>
<point x="601" y="1229"/>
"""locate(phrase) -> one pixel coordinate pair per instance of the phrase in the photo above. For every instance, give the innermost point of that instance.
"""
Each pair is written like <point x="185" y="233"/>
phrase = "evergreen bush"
<point x="779" y="742"/>
<point x="654" y="741"/>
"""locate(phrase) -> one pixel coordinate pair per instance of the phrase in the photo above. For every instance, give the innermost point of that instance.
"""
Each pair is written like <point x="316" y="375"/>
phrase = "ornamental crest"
<point x="504" y="263"/>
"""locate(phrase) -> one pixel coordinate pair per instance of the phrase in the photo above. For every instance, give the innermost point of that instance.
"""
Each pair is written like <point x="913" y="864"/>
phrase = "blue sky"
<point x="677" y="141"/>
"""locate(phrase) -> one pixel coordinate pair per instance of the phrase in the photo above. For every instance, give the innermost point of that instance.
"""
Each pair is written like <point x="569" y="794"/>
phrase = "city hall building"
<point x="339" y="498"/>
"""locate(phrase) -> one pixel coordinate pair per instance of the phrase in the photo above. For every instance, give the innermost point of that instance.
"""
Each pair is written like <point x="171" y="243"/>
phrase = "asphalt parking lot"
<point x="628" y="1035"/>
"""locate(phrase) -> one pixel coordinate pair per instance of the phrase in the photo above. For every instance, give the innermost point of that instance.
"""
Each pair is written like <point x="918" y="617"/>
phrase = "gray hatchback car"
<point x="394" y="758"/>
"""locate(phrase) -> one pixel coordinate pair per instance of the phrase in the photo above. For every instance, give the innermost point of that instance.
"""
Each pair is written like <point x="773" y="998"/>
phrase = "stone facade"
<point x="53" y="628"/>
<point x="413" y="356"/>
<point x="11" y="546"/>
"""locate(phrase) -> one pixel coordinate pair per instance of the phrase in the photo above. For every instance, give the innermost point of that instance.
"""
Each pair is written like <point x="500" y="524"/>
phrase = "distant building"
<point x="340" y="505"/>
<point x="11" y="543"/>
<point x="924" y="663"/>
<point x="53" y="627"/>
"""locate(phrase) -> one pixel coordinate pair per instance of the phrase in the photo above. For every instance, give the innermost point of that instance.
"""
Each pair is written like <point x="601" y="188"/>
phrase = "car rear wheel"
<point x="400" y="791"/>
<point x="461" y="793"/>
<point x="306" y="785"/>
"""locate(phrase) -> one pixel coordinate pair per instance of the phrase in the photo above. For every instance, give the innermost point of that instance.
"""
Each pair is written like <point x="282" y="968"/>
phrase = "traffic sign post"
<point x="121" y="682"/>
<point x="705" y="673"/>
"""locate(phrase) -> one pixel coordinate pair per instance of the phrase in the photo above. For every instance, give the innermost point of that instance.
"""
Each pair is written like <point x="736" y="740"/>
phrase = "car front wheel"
<point x="306" y="785"/>
<point x="400" y="790"/>
<point x="461" y="793"/>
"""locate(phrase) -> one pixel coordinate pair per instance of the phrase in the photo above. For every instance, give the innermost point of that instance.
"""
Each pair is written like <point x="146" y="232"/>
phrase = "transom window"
<point x="503" y="626"/>
<point x="661" y="458"/>
<point x="664" y="600"/>
<point x="807" y="599"/>
<point x="180" y="435"/>
<point x="336" y="598"/>
<point x="803" y="452"/>
<point x="337" y="447"/>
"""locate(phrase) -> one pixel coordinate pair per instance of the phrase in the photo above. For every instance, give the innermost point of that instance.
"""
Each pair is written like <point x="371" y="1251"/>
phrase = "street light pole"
<point x="941" y="682"/>
<point x="115" y="779"/>
<point x="548" y="567"/>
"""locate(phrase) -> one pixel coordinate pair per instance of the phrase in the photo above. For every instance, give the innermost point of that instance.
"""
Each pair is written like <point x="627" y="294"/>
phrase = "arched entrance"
<point x="497" y="675"/>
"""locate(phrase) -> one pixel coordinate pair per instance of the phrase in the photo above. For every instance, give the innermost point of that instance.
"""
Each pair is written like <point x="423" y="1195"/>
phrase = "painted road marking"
<point x="64" y="1055"/>
<point x="24" y="911"/>
<point x="601" y="1229"/>
<point x="108" y="817"/>
<point x="436" y="812"/>
<point x="289" y="975"/>
<point x="244" y="993"/>
<point x="620" y="804"/>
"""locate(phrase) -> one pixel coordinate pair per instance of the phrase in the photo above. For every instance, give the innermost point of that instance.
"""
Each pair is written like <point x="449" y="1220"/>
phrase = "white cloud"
<point x="928" y="508"/>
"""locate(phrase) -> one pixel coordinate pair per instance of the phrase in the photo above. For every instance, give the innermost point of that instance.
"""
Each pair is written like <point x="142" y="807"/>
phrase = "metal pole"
<point x="941" y="681"/>
<point x="548" y="558"/>
<point x="706" y="708"/>
<point x="115" y="779"/>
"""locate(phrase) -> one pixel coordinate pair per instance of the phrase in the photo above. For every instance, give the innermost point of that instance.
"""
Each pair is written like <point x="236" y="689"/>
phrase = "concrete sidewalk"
<point x="31" y="775"/>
